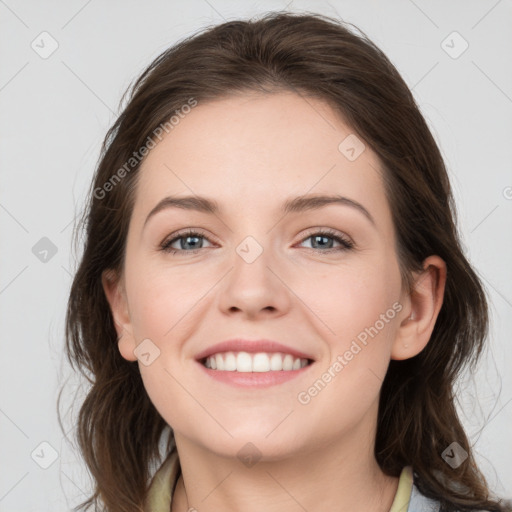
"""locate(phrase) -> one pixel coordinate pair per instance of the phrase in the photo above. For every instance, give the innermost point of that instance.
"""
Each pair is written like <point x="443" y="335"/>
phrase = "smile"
<point x="254" y="362"/>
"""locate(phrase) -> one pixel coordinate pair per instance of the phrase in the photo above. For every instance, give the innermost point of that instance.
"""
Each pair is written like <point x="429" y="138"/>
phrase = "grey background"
<point x="55" y="112"/>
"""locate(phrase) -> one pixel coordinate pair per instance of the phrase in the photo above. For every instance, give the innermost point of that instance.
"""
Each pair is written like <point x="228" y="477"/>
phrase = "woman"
<point x="273" y="285"/>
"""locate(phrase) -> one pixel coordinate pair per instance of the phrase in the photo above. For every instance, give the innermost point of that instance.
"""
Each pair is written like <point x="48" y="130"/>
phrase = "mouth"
<point x="257" y="362"/>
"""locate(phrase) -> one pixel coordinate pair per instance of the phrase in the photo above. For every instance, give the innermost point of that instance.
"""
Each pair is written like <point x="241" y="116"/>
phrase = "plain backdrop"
<point x="64" y="66"/>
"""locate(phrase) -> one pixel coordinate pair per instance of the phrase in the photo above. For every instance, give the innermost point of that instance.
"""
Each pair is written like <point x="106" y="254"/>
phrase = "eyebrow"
<point x="292" y="205"/>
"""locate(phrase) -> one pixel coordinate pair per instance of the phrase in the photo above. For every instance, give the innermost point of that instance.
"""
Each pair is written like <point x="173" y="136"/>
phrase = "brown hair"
<point x="119" y="429"/>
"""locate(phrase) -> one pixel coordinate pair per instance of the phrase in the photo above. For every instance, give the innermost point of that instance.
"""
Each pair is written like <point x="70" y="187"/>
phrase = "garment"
<point x="407" y="497"/>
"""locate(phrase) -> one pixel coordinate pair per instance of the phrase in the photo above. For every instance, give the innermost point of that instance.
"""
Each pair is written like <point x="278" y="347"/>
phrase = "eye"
<point x="190" y="239"/>
<point x="321" y="239"/>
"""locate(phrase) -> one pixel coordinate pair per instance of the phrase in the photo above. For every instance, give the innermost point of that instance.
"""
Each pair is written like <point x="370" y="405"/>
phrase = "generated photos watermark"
<point x="342" y="360"/>
<point x="138" y="156"/>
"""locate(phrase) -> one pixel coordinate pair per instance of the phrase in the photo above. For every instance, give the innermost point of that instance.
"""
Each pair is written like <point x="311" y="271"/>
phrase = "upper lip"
<point x="252" y="346"/>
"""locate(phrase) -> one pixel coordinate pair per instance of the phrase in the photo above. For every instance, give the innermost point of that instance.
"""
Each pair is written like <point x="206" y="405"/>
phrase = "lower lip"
<point x="254" y="379"/>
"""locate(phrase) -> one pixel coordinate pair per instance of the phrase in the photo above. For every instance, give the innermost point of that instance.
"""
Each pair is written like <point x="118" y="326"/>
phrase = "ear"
<point x="114" y="289"/>
<point x="421" y="308"/>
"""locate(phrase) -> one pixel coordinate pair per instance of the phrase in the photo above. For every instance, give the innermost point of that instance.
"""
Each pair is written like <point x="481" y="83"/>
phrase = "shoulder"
<point x="421" y="503"/>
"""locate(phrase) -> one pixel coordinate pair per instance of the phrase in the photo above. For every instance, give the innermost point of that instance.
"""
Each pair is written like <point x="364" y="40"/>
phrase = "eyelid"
<point x="181" y="233"/>
<point x="326" y="230"/>
<point x="344" y="240"/>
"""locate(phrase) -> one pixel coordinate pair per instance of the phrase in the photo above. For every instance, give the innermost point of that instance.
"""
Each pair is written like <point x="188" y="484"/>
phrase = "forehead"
<point x="254" y="151"/>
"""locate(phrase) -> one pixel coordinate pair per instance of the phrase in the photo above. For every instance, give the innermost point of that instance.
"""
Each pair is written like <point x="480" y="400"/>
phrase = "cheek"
<point x="350" y="299"/>
<point x="345" y="299"/>
<point x="159" y="297"/>
<point x="339" y="305"/>
<point x="360" y="310"/>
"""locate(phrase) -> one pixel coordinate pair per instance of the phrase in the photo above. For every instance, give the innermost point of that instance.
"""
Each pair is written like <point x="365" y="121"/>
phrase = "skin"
<point x="250" y="153"/>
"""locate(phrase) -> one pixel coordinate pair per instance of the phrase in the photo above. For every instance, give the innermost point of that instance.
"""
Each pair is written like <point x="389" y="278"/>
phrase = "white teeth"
<point x="243" y="362"/>
<point x="229" y="362"/>
<point x="261" y="363"/>
<point x="288" y="362"/>
<point x="276" y="362"/>
<point x="258" y="362"/>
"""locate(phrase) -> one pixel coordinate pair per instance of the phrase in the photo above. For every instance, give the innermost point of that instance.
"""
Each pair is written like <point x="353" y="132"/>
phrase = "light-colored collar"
<point x="159" y="496"/>
<point x="403" y="493"/>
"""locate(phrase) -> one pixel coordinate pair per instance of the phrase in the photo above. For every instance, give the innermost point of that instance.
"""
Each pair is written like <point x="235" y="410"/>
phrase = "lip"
<point x="253" y="380"/>
<point x="251" y="346"/>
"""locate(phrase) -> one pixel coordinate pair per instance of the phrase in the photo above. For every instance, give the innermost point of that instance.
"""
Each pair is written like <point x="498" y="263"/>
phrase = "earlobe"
<point x="116" y="297"/>
<point x="422" y="309"/>
<point x="126" y="346"/>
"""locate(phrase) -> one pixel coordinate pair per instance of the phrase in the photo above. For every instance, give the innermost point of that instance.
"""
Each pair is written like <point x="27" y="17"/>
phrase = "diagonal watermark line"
<point x="324" y="118"/>
<point x="379" y="171"/>
<point x="421" y="79"/>
<point x="14" y="423"/>
<point x="332" y="332"/>
<point x="2" y="2"/>
<point x="199" y="300"/>
<point x="485" y="14"/>
<point x="14" y="486"/>
<point x="215" y="10"/>
<point x="485" y="218"/>
<point x="506" y="403"/>
<point x="70" y="222"/>
<point x="14" y="76"/>
<point x="382" y="380"/>
<point x="66" y="226"/>
<point x="286" y="490"/>
<point x="425" y="14"/>
<point x="87" y="87"/>
<point x="492" y="81"/>
<point x="73" y="482"/>
<point x="215" y="487"/>
<point x="13" y="279"/>
<point x="71" y="275"/>
<point x="497" y="291"/>
<point x="280" y="423"/>
<point x="199" y="403"/>
<point x="14" y="218"/>
<point x="76" y="14"/>
<point x="67" y="433"/>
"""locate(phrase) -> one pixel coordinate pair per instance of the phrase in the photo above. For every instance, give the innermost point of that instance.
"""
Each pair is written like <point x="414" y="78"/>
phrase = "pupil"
<point x="191" y="237"/>
<point x="320" y="237"/>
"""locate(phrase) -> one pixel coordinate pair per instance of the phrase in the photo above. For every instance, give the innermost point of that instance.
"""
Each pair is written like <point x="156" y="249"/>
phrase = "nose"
<point x="253" y="287"/>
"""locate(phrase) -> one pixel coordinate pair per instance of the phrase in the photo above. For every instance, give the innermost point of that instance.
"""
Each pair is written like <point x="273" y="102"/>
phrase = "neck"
<point x="344" y="478"/>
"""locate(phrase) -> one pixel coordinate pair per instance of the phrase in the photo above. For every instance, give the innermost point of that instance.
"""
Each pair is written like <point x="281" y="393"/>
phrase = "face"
<point x="324" y="281"/>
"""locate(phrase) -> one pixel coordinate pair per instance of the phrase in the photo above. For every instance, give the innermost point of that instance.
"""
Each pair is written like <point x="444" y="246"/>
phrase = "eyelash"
<point x="346" y="244"/>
